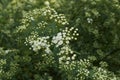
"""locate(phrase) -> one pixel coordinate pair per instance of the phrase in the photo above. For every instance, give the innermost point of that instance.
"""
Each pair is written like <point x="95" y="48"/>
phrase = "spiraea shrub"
<point x="43" y="51"/>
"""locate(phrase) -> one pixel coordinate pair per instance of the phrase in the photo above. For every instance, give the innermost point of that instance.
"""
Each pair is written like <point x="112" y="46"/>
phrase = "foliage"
<point x="98" y="23"/>
<point x="39" y="43"/>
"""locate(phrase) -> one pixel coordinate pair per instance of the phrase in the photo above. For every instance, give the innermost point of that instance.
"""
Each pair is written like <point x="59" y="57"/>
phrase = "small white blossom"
<point x="90" y="20"/>
<point x="47" y="50"/>
<point x="47" y="3"/>
<point x="58" y="40"/>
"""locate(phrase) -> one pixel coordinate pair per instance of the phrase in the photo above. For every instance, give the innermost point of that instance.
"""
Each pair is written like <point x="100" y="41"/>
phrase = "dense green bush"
<point x="99" y="24"/>
<point x="37" y="42"/>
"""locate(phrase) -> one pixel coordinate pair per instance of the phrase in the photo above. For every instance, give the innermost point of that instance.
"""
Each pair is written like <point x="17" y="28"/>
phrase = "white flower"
<point x="54" y="40"/>
<point x="67" y="62"/>
<point x="47" y="50"/>
<point x="68" y="58"/>
<point x="67" y="42"/>
<point x="46" y="3"/>
<point x="31" y="18"/>
<point x="58" y="40"/>
<point x="73" y="57"/>
<point x="90" y="20"/>
<point x="59" y="34"/>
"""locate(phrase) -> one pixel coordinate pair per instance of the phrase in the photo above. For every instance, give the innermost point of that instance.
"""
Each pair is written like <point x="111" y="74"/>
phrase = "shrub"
<point x="40" y="49"/>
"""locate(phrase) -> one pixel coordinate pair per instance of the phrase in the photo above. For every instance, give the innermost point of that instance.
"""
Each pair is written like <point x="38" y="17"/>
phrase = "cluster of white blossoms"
<point x="6" y="62"/>
<point x="60" y="18"/>
<point x="64" y="37"/>
<point x="84" y="63"/>
<point x="102" y="74"/>
<point x="53" y="15"/>
<point x="70" y="34"/>
<point x="38" y="43"/>
<point x="21" y="28"/>
<point x="61" y="39"/>
<point x="89" y="20"/>
<point x="47" y="32"/>
<point x="46" y="14"/>
<point x="42" y="24"/>
<point x="81" y="72"/>
<point x="30" y="16"/>
<point x="2" y="62"/>
<point x="58" y="40"/>
<point x="66" y="55"/>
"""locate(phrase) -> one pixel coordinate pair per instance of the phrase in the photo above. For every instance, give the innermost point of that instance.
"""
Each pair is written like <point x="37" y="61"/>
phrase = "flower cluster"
<point x="42" y="24"/>
<point x="40" y="35"/>
<point x="89" y="20"/>
<point x="75" y="70"/>
<point x="66" y="55"/>
<point x="7" y="69"/>
<point x="70" y="34"/>
<point x="53" y="15"/>
<point x="102" y="74"/>
<point x="47" y="15"/>
<point x="58" y="39"/>
<point x="64" y="37"/>
<point x="30" y="16"/>
<point x="39" y="43"/>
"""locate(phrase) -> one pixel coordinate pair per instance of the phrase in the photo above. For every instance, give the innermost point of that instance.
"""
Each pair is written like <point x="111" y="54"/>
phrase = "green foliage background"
<point x="97" y="47"/>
